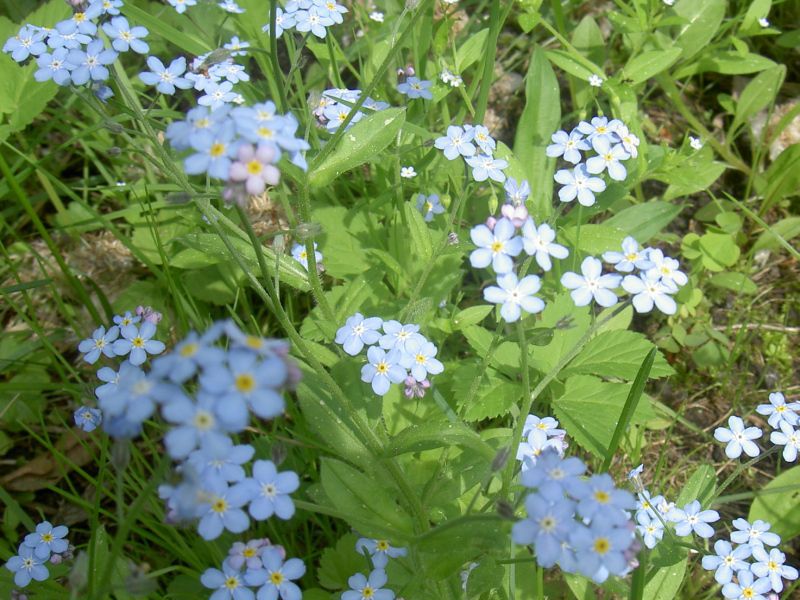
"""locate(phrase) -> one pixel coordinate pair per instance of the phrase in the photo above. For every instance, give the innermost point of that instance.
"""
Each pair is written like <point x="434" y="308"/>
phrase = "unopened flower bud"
<point x="491" y="222"/>
<point x="307" y="230"/>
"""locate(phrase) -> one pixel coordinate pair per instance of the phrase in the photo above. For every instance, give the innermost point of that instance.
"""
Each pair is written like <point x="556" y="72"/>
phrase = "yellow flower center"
<point x="420" y="358"/>
<point x="232" y="583"/>
<point x="382" y="545"/>
<point x="780" y="409"/>
<point x="276" y="578"/>
<point x="601" y="545"/>
<point x="245" y="382"/>
<point x="100" y="343"/>
<point x="602" y="497"/>
<point x="367" y="592"/>
<point x="748" y="592"/>
<point x="138" y="342"/>
<point x="265" y="132"/>
<point x="217" y="150"/>
<point x="254" y="167"/>
<point x="497" y="246"/>
<point x="547" y="523"/>
<point x="203" y="420"/>
<point x="428" y="207"/>
<point x="188" y="350"/>
<point x="249" y="552"/>
<point x="383" y="368"/>
<point x="47" y="537"/>
<point x="219" y="505"/>
<point x="126" y="35"/>
<point x="203" y="123"/>
<point x="79" y="17"/>
<point x="253" y="342"/>
<point x="772" y="565"/>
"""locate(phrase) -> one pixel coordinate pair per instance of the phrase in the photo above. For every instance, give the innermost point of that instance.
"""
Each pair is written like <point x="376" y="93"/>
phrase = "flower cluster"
<point x="72" y="52"/>
<point x="397" y="354"/>
<point x="538" y="435"/>
<point x="782" y="417"/>
<point x="451" y="78"/>
<point x="612" y="143"/>
<point x="125" y="397"/>
<point x="413" y="86"/>
<point x="582" y="524"/>
<point x="498" y="243"/>
<point x="241" y="146"/>
<point x="371" y="587"/>
<point x="305" y="16"/>
<point x="229" y="6"/>
<point x="334" y="107"/>
<point x="477" y="147"/>
<point x="46" y="543"/>
<point x="255" y="564"/>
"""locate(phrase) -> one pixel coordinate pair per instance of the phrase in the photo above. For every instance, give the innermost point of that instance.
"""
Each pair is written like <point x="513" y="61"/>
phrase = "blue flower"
<point x="651" y="529"/>
<point x="26" y="566"/>
<point x="280" y="575"/>
<point x="66" y="35"/>
<point x="138" y="343"/>
<point x="779" y="411"/>
<point x="29" y="41"/>
<point x="515" y="295"/>
<point x="578" y="183"/>
<point x="182" y="134"/>
<point x="738" y="438"/>
<point x="332" y="9"/>
<point x="755" y="534"/>
<point x="747" y="586"/>
<point x="111" y="381"/>
<point x="457" y="142"/>
<point x="516" y="193"/>
<point x="180" y="6"/>
<point x="270" y="491"/>
<point x="214" y="150"/>
<point x="300" y="255"/>
<point x="47" y="539"/>
<point x="217" y="94"/>
<point x="133" y="398"/>
<point x="230" y="71"/>
<point x="726" y="560"/>
<point x="283" y="21"/>
<point x="547" y="527"/>
<point x="196" y="422"/>
<point x="382" y="369"/>
<point x="379" y="550"/>
<point x="598" y="496"/>
<point x="788" y="437"/>
<point x="166" y="79"/>
<point x="552" y="475"/>
<point x="429" y="206"/>
<point x="600" y="548"/>
<point x="231" y="7"/>
<point x="648" y="291"/>
<point x="229" y="583"/>
<point x="363" y="588"/>
<point x="631" y="257"/>
<point x="189" y="355"/>
<point x="101" y="342"/>
<point x="483" y="139"/>
<point x="691" y="518"/>
<point x="127" y="319"/>
<point x="536" y="444"/>
<point x="313" y="20"/>
<point x="540" y="242"/>
<point x="495" y="247"/>
<point x="237" y="47"/>
<point x="91" y="63"/>
<point x="84" y="19"/>
<point x="598" y="128"/>
<point x="221" y="509"/>
<point x="666" y="268"/>
<point x="87" y="418"/>
<point x="567" y="145"/>
<point x="591" y="284"/>
<point x="770" y="565"/>
<point x="125" y="37"/>
<point x="397" y="335"/>
<point x="413" y="87"/>
<point x="219" y="460"/>
<point x="608" y="158"/>
<point x="547" y="424"/>
<point x="246" y="381"/>
<point x="248" y="554"/>
<point x="108" y="7"/>
<point x="419" y="359"/>
<point x="486" y="167"/>
<point x="54" y="66"/>
<point x="358" y="331"/>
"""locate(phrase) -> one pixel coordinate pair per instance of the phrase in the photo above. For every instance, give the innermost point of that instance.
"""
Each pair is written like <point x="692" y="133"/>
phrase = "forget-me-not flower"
<point x="495" y="247"/>
<point x="578" y="184"/>
<point x="747" y="587"/>
<point x="600" y="548"/>
<point x="789" y="437"/>
<point x="778" y="410"/>
<point x="567" y="145"/>
<point x="515" y="295"/>
<point x="692" y="518"/>
<point x="516" y="193"/>
<point x="363" y="588"/>
<point x="546" y="526"/>
<point x="137" y="342"/>
<point x="26" y="566"/>
<point x="217" y="94"/>
<point x="101" y="342"/>
<point x="608" y="158"/>
<point x="313" y="20"/>
<point x="213" y="152"/>
<point x="420" y="358"/>
<point x="270" y="491"/>
<point x="726" y="560"/>
<point x="181" y="5"/>
<point x="771" y="564"/>
<point x="166" y="79"/>
<point x="47" y="539"/>
<point x="396" y="335"/>
<point x="666" y="268"/>
<point x="648" y="291"/>
<point x="29" y="41"/>
<point x="650" y="528"/>
<point x="231" y="583"/>
<point x="221" y="509"/>
<point x="300" y="254"/>
<point x="358" y="331"/>
<point x="456" y="142"/>
<point x="429" y="206"/>
<point x="54" y="66"/>
<point x="592" y="284"/>
<point x="599" y="127"/>
<point x="631" y="257"/>
<point x="486" y="167"/>
<point x="756" y="533"/>
<point x="88" y="418"/>
<point x="540" y="242"/>
<point x="738" y="438"/>
<point x="382" y="369"/>
<point x="379" y="550"/>
<point x="280" y="576"/>
<point x="483" y="139"/>
<point x="125" y="37"/>
<point x="413" y="87"/>
<point x="90" y="63"/>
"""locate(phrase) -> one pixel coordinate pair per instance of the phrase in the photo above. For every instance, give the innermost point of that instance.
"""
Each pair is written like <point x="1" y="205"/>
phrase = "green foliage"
<point x="777" y="504"/>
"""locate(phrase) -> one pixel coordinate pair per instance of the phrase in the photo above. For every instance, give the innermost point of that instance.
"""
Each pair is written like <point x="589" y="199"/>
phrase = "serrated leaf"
<point x="617" y="354"/>
<point x="494" y="398"/>
<point x="779" y="508"/>
<point x="337" y="565"/>
<point x="649" y="64"/>
<point x="362" y="143"/>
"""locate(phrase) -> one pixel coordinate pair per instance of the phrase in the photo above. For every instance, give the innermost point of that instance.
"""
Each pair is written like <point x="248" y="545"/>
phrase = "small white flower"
<point x="764" y="22"/>
<point x="376" y="16"/>
<point x="695" y="143"/>
<point x="669" y="2"/>
<point x="408" y="172"/>
<point x="595" y="80"/>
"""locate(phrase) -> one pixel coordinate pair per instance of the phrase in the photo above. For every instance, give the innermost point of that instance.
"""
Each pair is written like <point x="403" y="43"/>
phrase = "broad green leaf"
<point x="590" y="408"/>
<point x="649" y="64"/>
<point x="592" y="239"/>
<point x="471" y="50"/>
<point x="569" y="64"/>
<point x="719" y="250"/>
<point x="487" y="576"/>
<point x="780" y="508"/>
<point x="446" y="548"/>
<point x="703" y="20"/>
<point x="581" y="588"/>
<point x="726" y="62"/>
<point x="506" y="355"/>
<point x="700" y="486"/>
<point x="643" y="221"/>
<point x="782" y="176"/>
<point x="758" y="94"/>
<point x="362" y="143"/>
<point x="735" y="282"/>
<point x="588" y="39"/>
<point x="366" y="503"/>
<point x="666" y="582"/>
<point x="568" y="322"/>
<point x="185" y="41"/>
<point x="787" y="228"/>
<point x="495" y="395"/>
<point x="337" y="565"/>
<point x="692" y="174"/>
<point x="471" y="316"/>
<point x="617" y="353"/>
<point x="343" y="240"/>
<point x="430" y="435"/>
<point x="758" y="9"/>
<point x="539" y="120"/>
<point x="419" y="231"/>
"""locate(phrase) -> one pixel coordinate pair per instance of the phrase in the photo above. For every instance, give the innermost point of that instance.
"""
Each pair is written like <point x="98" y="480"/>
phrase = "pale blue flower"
<point x="47" y="539"/>
<point x="666" y="268"/>
<point x="379" y="550"/>
<point x="396" y="335"/>
<point x="283" y="21"/>
<point x="332" y="9"/>
<point x="535" y="444"/>
<point x="726" y="560"/>
<point x="516" y="193"/>
<point x="648" y="291"/>
<point x="650" y="528"/>
<point x="608" y="158"/>
<point x="515" y="295"/>
<point x="631" y="257"/>
<point x="771" y="565"/>
<point x="755" y="534"/>
<point x="592" y="284"/>
<point x="300" y="255"/>
<point x="429" y="206"/>
<point x="166" y="79"/>
<point x="692" y="518"/>
<point x="382" y="369"/>
<point x="578" y="184"/>
<point x="217" y="94"/>
<point x="214" y="151"/>
<point x="738" y="438"/>
<point x="363" y="588"/>
<point x="456" y="142"/>
<point x="547" y="424"/>
<point x="547" y="527"/>
<point x="29" y="41"/>
<point x="747" y="587"/>
<point x="551" y="475"/>
<point x="313" y="20"/>
<point x="137" y="342"/>
<point x="88" y="418"/>
<point x="125" y="37"/>
<point x="54" y="66"/>
<point x="483" y="139"/>
<point x="487" y="167"/>
<point x="195" y="422"/>
<point x="413" y="87"/>
<point x="181" y="5"/>
<point x="101" y="342"/>
<point x="789" y="437"/>
<point x="237" y="47"/>
<point x="26" y="566"/>
<point x="540" y="242"/>
<point x="230" y="583"/>
<point x="598" y="496"/>
<point x="270" y="491"/>
<point x="231" y="7"/>
<point x="420" y="359"/>
<point x="567" y="145"/>
<point x="495" y="247"/>
<point x="600" y="549"/>
<point x="221" y="509"/>
<point x="280" y="576"/>
<point x="779" y="411"/>
<point x="599" y="127"/>
<point x="358" y="331"/>
<point x="90" y="64"/>
<point x="218" y="459"/>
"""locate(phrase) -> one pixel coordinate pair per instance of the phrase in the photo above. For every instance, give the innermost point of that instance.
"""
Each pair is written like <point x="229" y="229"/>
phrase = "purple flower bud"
<point x="56" y="559"/>
<point x="516" y="214"/>
<point x="416" y="389"/>
<point x="490" y="222"/>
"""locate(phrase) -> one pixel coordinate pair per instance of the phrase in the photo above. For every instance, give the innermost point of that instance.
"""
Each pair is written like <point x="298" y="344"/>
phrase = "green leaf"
<point x="719" y="250"/>
<point x="725" y="62"/>
<point x="643" y="221"/>
<point x="593" y="239"/>
<point x="787" y="228"/>
<point x="758" y="9"/>
<point x="588" y="39"/>
<point x="185" y="41"/>
<point x="343" y="239"/>
<point x="666" y="582"/>
<point x="420" y="234"/>
<point x="735" y="282"/>
<point x="590" y="408"/>
<point x="759" y="93"/>
<point x="649" y="64"/>
<point x="337" y="565"/>
<point x="539" y="120"/>
<point x="703" y="20"/>
<point x="471" y="316"/>
<point x="362" y="143"/>
<point x="782" y="176"/>
<point x="446" y="548"/>
<point x="471" y="50"/>
<point x="617" y="354"/>
<point x="779" y="508"/>
<point x="569" y="64"/>
<point x="700" y="486"/>
<point x="366" y="503"/>
<point x="430" y="435"/>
